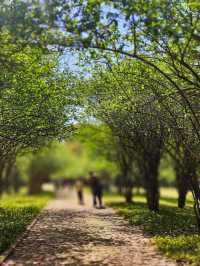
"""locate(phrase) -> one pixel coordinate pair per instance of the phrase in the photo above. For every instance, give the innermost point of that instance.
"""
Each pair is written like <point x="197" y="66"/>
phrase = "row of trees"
<point x="148" y="94"/>
<point x="149" y="99"/>
<point x="34" y="103"/>
<point x="147" y="120"/>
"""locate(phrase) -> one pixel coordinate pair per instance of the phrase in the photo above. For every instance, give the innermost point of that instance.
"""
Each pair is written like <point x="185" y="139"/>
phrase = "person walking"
<point x="97" y="190"/>
<point x="79" y="189"/>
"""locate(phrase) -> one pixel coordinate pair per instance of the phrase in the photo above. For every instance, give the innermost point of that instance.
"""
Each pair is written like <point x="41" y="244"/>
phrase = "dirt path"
<point x="68" y="234"/>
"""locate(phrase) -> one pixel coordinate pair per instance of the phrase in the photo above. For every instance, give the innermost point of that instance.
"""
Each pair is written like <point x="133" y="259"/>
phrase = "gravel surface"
<point x="69" y="234"/>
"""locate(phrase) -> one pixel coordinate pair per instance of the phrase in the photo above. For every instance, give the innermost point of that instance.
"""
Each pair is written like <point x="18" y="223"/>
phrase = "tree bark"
<point x="126" y="164"/>
<point x="128" y="194"/>
<point x="185" y="168"/>
<point x="151" y="163"/>
<point x="7" y="176"/>
<point x="183" y="187"/>
<point x="35" y="185"/>
<point x="2" y="164"/>
<point x="152" y="189"/>
<point x="182" y="182"/>
<point x="16" y="179"/>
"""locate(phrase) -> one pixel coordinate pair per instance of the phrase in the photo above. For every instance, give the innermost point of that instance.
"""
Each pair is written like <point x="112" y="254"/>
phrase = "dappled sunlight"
<point x="99" y="100"/>
<point x="67" y="233"/>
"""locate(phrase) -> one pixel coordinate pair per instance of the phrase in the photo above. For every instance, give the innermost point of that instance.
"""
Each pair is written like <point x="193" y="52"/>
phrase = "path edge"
<point x="6" y="254"/>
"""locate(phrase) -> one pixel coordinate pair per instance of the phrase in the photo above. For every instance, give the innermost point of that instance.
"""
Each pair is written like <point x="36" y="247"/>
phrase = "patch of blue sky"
<point x="71" y="59"/>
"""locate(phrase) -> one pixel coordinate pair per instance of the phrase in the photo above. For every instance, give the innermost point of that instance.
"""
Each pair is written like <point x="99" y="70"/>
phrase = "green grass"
<point x="174" y="231"/>
<point x="16" y="212"/>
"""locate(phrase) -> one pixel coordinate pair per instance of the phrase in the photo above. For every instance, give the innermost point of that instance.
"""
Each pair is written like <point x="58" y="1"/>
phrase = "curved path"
<point x="68" y="234"/>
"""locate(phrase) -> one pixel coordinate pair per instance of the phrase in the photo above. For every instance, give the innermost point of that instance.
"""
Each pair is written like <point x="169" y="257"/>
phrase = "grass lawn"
<point x="173" y="231"/>
<point x="16" y="212"/>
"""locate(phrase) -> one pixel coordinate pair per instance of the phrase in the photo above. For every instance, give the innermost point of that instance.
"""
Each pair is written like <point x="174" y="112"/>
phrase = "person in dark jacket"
<point x="97" y="189"/>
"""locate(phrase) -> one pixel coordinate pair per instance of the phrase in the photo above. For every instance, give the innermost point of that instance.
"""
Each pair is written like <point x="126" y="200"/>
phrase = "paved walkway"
<point x="68" y="234"/>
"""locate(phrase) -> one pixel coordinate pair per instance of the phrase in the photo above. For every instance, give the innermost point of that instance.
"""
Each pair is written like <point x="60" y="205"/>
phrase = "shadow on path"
<point x="68" y="234"/>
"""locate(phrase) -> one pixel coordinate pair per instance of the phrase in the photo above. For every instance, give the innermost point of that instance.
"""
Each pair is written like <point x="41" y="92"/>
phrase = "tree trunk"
<point x="182" y="198"/>
<point x="128" y="194"/>
<point x="152" y="191"/>
<point x="191" y="166"/>
<point x="16" y="179"/>
<point x="196" y="195"/>
<point x="119" y="189"/>
<point x="185" y="168"/>
<point x="127" y="182"/>
<point x="7" y="177"/>
<point x="16" y="185"/>
<point x="151" y="171"/>
<point x="35" y="185"/>
<point x="182" y="186"/>
<point x="1" y="175"/>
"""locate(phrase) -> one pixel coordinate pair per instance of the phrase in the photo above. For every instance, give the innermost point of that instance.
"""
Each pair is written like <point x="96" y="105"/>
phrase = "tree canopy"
<point x="144" y="96"/>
